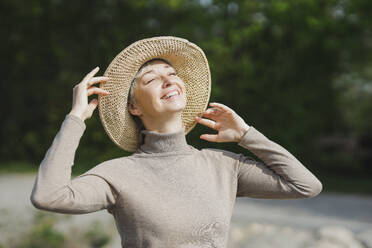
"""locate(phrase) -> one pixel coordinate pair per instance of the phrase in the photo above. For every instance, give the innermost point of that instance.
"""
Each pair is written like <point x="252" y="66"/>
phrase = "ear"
<point x="134" y="110"/>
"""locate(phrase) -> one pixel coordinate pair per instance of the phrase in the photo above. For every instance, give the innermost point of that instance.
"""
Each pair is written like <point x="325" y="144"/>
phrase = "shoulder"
<point x="225" y="155"/>
<point x="117" y="162"/>
<point x="220" y="156"/>
<point x="219" y="153"/>
<point x="113" y="167"/>
<point x="222" y="159"/>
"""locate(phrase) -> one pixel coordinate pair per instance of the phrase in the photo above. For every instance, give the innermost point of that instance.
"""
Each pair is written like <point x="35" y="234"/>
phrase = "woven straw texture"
<point x="188" y="60"/>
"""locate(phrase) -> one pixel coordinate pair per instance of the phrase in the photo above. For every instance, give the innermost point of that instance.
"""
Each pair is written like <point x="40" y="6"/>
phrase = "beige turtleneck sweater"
<point x="168" y="193"/>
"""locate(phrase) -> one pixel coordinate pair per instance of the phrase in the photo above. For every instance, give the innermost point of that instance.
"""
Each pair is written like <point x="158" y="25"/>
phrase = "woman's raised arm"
<point x="280" y="175"/>
<point x="54" y="190"/>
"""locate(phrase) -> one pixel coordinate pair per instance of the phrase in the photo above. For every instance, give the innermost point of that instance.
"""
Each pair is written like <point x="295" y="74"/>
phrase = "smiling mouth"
<point x="172" y="95"/>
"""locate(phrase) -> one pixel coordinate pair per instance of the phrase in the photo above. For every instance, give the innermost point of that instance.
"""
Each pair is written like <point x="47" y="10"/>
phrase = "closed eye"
<point x="171" y="74"/>
<point x="150" y="81"/>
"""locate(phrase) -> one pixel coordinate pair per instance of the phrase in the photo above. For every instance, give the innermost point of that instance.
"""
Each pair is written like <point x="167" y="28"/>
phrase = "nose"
<point x="166" y="81"/>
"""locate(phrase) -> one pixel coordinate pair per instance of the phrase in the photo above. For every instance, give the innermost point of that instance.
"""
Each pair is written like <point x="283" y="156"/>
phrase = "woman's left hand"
<point x="230" y="126"/>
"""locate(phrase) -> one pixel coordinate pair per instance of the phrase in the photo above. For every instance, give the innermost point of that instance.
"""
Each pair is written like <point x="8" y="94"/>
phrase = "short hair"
<point x="131" y="96"/>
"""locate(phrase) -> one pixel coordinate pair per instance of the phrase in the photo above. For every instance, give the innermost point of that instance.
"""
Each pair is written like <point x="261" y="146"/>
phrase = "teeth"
<point x="171" y="94"/>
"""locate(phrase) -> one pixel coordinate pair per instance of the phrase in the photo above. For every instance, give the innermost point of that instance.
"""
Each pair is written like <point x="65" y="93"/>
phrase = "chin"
<point x="176" y="108"/>
<point x="177" y="105"/>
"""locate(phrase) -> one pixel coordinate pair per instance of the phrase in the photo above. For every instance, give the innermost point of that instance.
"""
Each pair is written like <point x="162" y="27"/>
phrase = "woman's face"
<point x="155" y="82"/>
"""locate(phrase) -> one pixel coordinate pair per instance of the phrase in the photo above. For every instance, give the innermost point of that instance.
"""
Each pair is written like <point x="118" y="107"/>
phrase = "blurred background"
<point x="299" y="71"/>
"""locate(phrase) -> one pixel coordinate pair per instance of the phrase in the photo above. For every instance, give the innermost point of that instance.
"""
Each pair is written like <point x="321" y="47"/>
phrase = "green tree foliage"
<point x="298" y="71"/>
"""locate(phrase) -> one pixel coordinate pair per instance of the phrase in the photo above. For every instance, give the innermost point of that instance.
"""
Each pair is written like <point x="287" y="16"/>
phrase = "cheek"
<point x="181" y="85"/>
<point x="184" y="91"/>
<point x="148" y="98"/>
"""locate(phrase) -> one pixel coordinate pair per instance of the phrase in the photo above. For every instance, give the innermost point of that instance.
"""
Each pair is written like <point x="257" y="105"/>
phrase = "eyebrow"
<point x="166" y="66"/>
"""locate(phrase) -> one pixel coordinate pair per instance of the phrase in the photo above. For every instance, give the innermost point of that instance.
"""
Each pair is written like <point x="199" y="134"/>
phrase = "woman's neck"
<point x="155" y="142"/>
<point x="165" y="125"/>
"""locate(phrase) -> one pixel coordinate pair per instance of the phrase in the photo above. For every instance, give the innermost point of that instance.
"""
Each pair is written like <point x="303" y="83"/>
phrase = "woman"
<point x="167" y="193"/>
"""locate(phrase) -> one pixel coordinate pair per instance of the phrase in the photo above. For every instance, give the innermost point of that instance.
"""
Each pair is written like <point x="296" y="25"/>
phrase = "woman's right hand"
<point x="81" y="91"/>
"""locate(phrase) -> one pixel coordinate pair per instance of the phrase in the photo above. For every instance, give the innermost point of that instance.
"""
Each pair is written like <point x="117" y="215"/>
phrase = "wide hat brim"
<point x="191" y="66"/>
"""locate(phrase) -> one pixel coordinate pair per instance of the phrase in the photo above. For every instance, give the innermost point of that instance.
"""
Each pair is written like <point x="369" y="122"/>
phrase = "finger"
<point x="96" y="90"/>
<point x="213" y="111"/>
<point x="96" y="80"/>
<point x="221" y="106"/>
<point x="206" y="122"/>
<point x="209" y="115"/>
<point x="92" y="106"/>
<point x="209" y="137"/>
<point x="90" y="75"/>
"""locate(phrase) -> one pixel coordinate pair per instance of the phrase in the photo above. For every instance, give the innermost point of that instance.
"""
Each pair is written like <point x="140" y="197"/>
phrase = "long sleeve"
<point x="280" y="176"/>
<point x="53" y="188"/>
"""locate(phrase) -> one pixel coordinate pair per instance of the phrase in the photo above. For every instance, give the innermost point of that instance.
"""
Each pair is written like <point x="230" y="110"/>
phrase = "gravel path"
<point x="328" y="220"/>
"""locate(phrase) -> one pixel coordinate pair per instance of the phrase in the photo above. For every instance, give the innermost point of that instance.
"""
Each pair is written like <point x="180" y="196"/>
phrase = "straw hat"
<point x="188" y="60"/>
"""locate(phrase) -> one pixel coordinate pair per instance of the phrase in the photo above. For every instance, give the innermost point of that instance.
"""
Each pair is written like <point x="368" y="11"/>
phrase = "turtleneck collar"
<point x="155" y="142"/>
